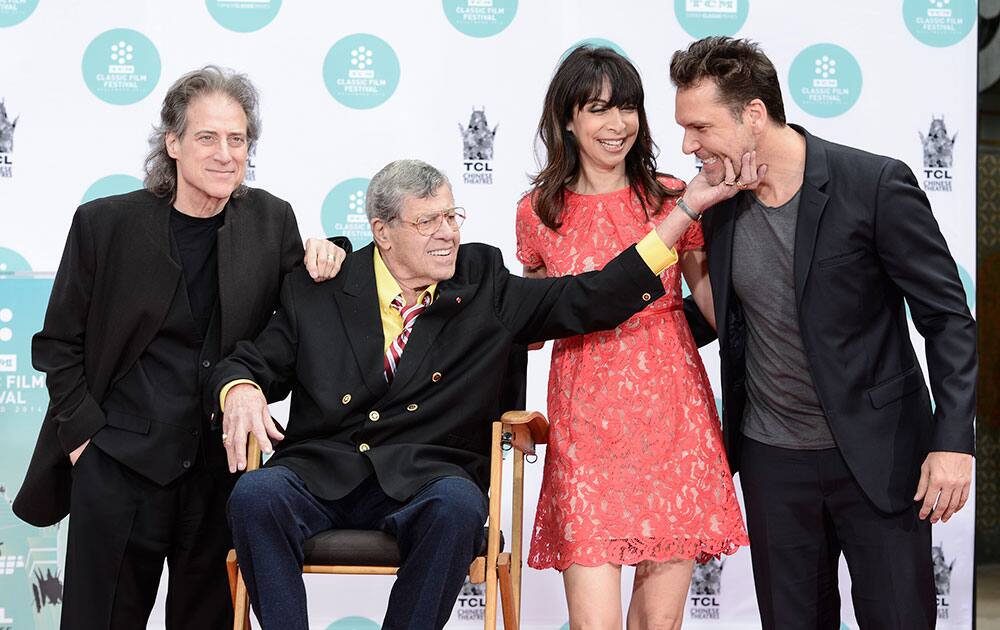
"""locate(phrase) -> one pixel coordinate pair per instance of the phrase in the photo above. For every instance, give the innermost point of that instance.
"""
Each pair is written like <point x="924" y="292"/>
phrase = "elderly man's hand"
<point x="705" y="191"/>
<point x="323" y="259"/>
<point x="945" y="479"/>
<point x="246" y="412"/>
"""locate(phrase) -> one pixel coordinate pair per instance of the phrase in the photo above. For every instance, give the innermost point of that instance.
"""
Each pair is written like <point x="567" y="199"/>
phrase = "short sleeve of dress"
<point x="527" y="228"/>
<point x="693" y="238"/>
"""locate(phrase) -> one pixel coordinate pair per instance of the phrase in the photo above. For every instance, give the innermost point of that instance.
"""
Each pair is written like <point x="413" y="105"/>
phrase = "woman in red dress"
<point x="635" y="472"/>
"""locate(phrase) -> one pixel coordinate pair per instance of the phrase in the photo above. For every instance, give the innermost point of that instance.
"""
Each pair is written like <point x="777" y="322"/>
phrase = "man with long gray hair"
<point x="153" y="288"/>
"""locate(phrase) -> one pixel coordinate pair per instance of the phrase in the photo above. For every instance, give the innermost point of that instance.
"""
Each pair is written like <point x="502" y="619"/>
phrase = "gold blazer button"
<point x="346" y="399"/>
<point x="411" y="407"/>
<point x="373" y="416"/>
<point x="646" y="297"/>
<point x="435" y="377"/>
<point x="363" y="447"/>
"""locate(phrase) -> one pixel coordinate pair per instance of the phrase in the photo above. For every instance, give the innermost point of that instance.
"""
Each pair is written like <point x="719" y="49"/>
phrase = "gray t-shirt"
<point x="782" y="406"/>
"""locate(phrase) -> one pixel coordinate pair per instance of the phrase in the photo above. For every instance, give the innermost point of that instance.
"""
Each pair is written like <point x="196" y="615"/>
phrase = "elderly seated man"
<point x="395" y="367"/>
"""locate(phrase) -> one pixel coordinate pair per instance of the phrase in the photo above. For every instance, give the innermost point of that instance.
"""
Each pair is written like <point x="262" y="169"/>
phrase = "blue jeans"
<point x="439" y="530"/>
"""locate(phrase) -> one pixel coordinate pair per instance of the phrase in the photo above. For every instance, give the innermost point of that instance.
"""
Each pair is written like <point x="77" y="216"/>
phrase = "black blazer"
<point x="115" y="283"/>
<point x="325" y="346"/>
<point x="865" y="239"/>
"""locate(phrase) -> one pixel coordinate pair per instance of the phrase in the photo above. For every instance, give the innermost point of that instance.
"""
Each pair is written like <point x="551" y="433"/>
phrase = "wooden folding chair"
<point x="360" y="552"/>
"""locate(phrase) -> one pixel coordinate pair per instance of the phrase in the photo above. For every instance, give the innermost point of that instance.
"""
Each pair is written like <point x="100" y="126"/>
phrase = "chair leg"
<point x="493" y="539"/>
<point x="517" y="524"/>
<point x="231" y="570"/>
<point x="241" y="605"/>
<point x="510" y="620"/>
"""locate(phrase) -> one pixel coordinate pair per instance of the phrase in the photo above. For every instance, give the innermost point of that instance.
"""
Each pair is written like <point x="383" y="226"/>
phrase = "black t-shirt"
<point x="196" y="239"/>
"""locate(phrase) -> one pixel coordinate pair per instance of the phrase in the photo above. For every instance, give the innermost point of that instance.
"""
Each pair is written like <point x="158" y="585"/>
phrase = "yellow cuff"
<point x="228" y="386"/>
<point x="655" y="253"/>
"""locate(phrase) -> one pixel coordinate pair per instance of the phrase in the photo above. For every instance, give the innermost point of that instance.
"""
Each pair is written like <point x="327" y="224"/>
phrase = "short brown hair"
<point x="741" y="71"/>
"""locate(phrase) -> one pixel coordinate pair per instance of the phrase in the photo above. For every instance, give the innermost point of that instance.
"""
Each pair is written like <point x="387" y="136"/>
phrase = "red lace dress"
<point x="634" y="469"/>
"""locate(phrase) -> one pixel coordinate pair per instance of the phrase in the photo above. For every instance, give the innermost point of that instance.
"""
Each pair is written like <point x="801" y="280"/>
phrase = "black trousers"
<point x="804" y="509"/>
<point x="121" y="529"/>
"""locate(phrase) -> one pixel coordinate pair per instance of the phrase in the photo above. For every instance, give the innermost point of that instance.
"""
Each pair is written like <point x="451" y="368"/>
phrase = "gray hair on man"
<point x="398" y="180"/>
<point x="161" y="169"/>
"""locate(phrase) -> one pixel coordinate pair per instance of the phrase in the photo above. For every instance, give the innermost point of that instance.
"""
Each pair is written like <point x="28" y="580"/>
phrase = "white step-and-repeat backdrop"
<point x="348" y="87"/>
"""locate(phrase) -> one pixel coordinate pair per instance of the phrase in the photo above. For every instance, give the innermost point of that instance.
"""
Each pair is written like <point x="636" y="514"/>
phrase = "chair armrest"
<point x="528" y="427"/>
<point x="253" y="453"/>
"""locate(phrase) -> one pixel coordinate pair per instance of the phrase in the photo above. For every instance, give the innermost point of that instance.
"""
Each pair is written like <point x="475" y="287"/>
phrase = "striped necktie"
<point x="409" y="315"/>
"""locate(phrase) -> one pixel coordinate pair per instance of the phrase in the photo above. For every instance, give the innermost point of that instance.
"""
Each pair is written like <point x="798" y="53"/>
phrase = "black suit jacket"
<point x="865" y="240"/>
<point x="115" y="283"/>
<point x="325" y="346"/>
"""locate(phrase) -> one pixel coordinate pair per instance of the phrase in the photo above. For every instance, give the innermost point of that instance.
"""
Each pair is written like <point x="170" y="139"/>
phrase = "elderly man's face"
<point x="415" y="259"/>
<point x="711" y="131"/>
<point x="212" y="154"/>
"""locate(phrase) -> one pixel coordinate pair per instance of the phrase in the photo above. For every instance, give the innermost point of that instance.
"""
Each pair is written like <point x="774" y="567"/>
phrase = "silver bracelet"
<point x="695" y="216"/>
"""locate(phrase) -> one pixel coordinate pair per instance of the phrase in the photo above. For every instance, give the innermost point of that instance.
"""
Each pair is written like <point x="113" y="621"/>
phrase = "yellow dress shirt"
<point x="388" y="289"/>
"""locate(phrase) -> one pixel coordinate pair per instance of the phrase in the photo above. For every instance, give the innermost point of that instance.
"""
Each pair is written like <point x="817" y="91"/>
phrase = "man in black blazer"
<point x="153" y="287"/>
<point x="826" y="415"/>
<point x="390" y="429"/>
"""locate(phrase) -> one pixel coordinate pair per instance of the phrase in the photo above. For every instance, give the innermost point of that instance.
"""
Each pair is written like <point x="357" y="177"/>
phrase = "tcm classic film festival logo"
<point x="701" y="18"/>
<point x="939" y="154"/>
<point x="361" y="71"/>
<point x="243" y="16"/>
<point x="19" y="390"/>
<point x="121" y="66"/>
<point x="343" y="212"/>
<point x="477" y="148"/>
<point x="706" y="590"/>
<point x="7" y="127"/>
<point x="825" y="80"/>
<point x="480" y="18"/>
<point x="939" y="23"/>
<point x="14" y="12"/>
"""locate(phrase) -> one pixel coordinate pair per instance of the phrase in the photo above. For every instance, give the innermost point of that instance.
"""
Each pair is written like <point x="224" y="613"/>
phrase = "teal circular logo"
<point x="353" y="623"/>
<point x="825" y="80"/>
<point x="111" y="185"/>
<point x="343" y="212"/>
<point x="16" y="11"/>
<point x="940" y="23"/>
<point x="361" y="71"/>
<point x="243" y="16"/>
<point x="594" y="42"/>
<point x="480" y="18"/>
<point x="701" y="18"/>
<point x="121" y="66"/>
<point x="12" y="262"/>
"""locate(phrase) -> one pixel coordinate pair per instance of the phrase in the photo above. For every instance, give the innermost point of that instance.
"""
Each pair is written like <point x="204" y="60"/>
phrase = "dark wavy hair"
<point x="740" y="69"/>
<point x="579" y="80"/>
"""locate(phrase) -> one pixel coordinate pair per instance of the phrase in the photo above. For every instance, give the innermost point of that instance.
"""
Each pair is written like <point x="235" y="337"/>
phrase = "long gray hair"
<point x="161" y="169"/>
